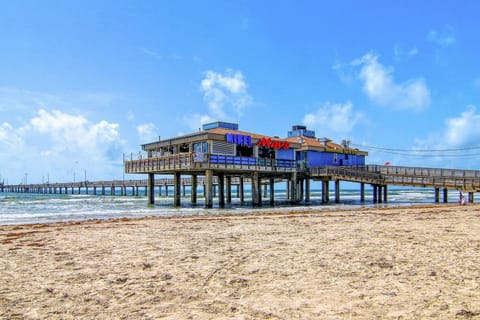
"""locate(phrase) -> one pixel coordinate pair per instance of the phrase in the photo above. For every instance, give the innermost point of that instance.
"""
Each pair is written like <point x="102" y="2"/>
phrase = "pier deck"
<point x="463" y="180"/>
<point x="221" y="173"/>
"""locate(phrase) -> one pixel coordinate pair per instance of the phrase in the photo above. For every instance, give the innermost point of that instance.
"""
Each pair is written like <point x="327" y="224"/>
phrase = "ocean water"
<point x="23" y="208"/>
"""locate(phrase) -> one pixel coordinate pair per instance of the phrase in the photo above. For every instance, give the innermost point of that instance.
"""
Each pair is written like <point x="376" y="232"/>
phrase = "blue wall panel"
<point x="285" y="154"/>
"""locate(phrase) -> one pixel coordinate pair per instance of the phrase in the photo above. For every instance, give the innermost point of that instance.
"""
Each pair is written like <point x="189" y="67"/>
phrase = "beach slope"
<point x="393" y="263"/>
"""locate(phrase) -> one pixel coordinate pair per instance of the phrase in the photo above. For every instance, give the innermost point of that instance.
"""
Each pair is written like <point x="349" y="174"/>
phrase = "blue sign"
<point x="239" y="139"/>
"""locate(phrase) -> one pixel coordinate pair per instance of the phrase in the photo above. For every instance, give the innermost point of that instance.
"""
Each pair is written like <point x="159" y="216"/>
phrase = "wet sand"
<point x="395" y="263"/>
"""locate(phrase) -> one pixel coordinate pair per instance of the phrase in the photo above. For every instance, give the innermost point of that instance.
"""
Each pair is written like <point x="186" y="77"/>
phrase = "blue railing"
<point x="222" y="159"/>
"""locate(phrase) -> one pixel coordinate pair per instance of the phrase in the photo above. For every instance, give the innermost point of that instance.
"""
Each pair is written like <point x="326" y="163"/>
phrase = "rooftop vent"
<point x="299" y="131"/>
<point x="324" y="141"/>
<point x="220" y="124"/>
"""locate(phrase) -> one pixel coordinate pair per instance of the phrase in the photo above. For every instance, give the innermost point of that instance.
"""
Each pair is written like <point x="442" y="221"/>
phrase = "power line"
<point x="414" y="150"/>
<point x="425" y="153"/>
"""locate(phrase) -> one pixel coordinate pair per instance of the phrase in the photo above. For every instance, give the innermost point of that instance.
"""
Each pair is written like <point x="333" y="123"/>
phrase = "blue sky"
<point x="82" y="82"/>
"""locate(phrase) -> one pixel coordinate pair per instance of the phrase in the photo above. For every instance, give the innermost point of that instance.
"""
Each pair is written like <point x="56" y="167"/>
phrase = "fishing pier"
<point x="221" y="158"/>
<point x="378" y="177"/>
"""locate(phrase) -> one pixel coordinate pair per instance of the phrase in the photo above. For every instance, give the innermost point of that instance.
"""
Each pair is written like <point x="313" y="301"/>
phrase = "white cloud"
<point x="464" y="129"/>
<point x="73" y="132"/>
<point x="147" y="132"/>
<point x="9" y="138"/>
<point x="455" y="145"/>
<point x="225" y="94"/>
<point x="334" y="120"/>
<point x="381" y="88"/>
<point x="60" y="144"/>
<point x="444" y="38"/>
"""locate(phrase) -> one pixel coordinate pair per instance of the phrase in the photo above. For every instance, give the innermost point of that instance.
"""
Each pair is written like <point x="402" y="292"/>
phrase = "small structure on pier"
<point x="224" y="151"/>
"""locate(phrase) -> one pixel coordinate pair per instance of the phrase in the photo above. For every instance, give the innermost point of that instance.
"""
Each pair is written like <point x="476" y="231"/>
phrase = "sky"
<point x="83" y="83"/>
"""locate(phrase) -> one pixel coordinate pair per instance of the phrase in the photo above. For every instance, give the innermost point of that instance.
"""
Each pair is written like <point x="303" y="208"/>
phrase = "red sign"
<point x="267" y="142"/>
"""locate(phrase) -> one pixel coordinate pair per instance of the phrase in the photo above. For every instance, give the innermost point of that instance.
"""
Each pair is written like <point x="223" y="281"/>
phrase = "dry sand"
<point x="396" y="263"/>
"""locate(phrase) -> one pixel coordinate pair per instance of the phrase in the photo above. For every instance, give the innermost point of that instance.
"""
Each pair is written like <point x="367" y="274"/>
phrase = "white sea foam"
<point x="20" y="208"/>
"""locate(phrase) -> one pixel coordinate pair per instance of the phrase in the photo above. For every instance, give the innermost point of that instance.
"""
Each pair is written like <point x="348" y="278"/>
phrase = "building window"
<point x="244" y="151"/>
<point x="200" y="147"/>
<point x="266" y="153"/>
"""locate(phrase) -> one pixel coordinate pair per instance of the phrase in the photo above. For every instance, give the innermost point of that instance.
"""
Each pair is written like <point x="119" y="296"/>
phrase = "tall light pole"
<point x="74" y="165"/>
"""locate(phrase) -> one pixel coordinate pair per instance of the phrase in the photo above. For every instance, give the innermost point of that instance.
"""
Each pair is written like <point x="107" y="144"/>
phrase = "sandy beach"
<point x="387" y="263"/>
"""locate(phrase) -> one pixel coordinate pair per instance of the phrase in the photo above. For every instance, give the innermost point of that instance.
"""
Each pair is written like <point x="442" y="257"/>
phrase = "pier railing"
<point x="350" y="173"/>
<point x="201" y="161"/>
<point x="466" y="180"/>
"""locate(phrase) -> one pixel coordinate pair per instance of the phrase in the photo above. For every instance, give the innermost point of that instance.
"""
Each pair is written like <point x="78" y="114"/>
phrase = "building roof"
<point x="323" y="145"/>
<point x="215" y="134"/>
<point x="297" y="142"/>
<point x="314" y="142"/>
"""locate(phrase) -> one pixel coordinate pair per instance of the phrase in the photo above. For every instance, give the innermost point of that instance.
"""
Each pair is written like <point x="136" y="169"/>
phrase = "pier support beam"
<point x="287" y="190"/>
<point x="193" y="192"/>
<point x="300" y="190"/>
<point x="307" y="190"/>
<point x="256" y="190"/>
<point x="470" y="197"/>
<point x="385" y="193"/>
<point x="221" y="189"/>
<point x="375" y="193"/>
<point x="241" y="190"/>
<point x="151" y="186"/>
<point x="362" y="192"/>
<point x="228" y="180"/>
<point x="325" y="192"/>
<point x="272" y="191"/>
<point x="445" y="195"/>
<point x="177" y="180"/>
<point x="208" y="188"/>
<point x="337" y="191"/>
<point x="437" y="195"/>
<point x="294" y="188"/>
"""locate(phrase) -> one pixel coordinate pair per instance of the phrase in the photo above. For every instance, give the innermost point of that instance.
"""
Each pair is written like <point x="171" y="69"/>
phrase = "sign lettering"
<point x="267" y="142"/>
<point x="239" y="139"/>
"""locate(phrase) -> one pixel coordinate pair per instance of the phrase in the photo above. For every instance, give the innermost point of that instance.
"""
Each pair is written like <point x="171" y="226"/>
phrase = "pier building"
<point x="220" y="149"/>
